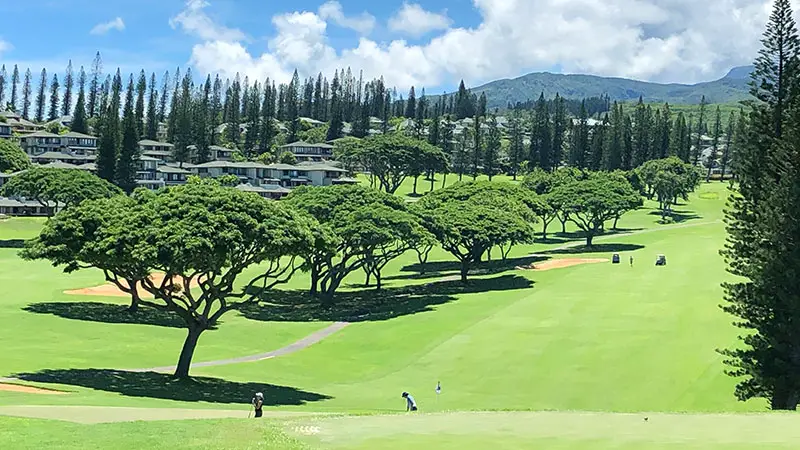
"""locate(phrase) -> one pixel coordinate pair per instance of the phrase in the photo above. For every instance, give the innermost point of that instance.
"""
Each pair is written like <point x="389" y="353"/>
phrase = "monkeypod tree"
<point x="593" y="201"/>
<point x="202" y="237"/>
<point x="362" y="228"/>
<point x="391" y="158"/>
<point x="469" y="219"/>
<point x="12" y="157"/>
<point x="668" y="180"/>
<point x="62" y="187"/>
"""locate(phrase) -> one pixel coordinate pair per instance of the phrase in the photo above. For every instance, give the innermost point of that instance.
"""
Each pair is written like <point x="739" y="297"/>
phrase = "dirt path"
<point x="303" y="343"/>
<point x="12" y="387"/>
<point x="108" y="414"/>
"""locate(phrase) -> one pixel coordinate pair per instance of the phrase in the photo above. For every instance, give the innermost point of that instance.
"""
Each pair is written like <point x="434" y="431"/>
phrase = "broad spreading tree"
<point x="592" y="202"/>
<point x="202" y="237"/>
<point x="62" y="187"/>
<point x="362" y="228"/>
<point x="469" y="219"/>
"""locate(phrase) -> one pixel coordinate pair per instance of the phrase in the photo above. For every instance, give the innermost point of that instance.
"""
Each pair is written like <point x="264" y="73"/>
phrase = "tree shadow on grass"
<point x="371" y="305"/>
<point x="108" y="313"/>
<point x="164" y="386"/>
<point x="596" y="248"/>
<point x="679" y="216"/>
<point x="439" y="269"/>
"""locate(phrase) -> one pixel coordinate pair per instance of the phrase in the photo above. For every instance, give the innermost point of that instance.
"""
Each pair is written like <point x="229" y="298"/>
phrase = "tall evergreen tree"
<point x="559" y="130"/>
<point x="319" y="100"/>
<point x="698" y="142"/>
<point x="183" y="120"/>
<point x="307" y="108"/>
<point x="676" y="141"/>
<point x="612" y="148"/>
<point x="14" y="83"/>
<point x="477" y="145"/>
<point x="79" y="124"/>
<point x="627" y="143"/>
<point x="41" y="97"/>
<point x="411" y="105"/>
<point x="125" y="170"/>
<point x="174" y="108"/>
<point x="267" y="129"/>
<point x="3" y="83"/>
<point x="141" y="91"/>
<point x="201" y="124"/>
<point x="541" y="137"/>
<point x="516" y="149"/>
<point x="579" y="144"/>
<point x="716" y="133"/>
<point x="164" y="100"/>
<point x="492" y="154"/>
<point x="762" y="248"/>
<point x="215" y="113"/>
<point x="69" y="82"/>
<point x="253" y="119"/>
<point x="337" y="120"/>
<point x="292" y="110"/>
<point x="464" y="107"/>
<point x="93" y="105"/>
<point x="482" y="102"/>
<point x="108" y="148"/>
<point x="151" y="126"/>
<point x="597" y="144"/>
<point x="54" y="99"/>
<point x="726" y="152"/>
<point x="642" y="126"/>
<point x="232" y="131"/>
<point x="26" y="95"/>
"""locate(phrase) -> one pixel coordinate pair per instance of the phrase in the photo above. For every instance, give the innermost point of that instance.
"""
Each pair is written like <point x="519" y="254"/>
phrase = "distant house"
<point x="147" y="173"/>
<point x="162" y="151"/>
<point x="23" y="207"/>
<point x="63" y="121"/>
<point x="247" y="172"/>
<point x="304" y="151"/>
<point x="18" y="124"/>
<point x="5" y="131"/>
<point x="40" y="142"/>
<point x="270" y="191"/>
<point x="221" y="153"/>
<point x="172" y="175"/>
<point x="63" y="157"/>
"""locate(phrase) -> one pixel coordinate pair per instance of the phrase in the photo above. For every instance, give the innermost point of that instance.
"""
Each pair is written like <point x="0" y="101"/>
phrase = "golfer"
<point x="258" y="403"/>
<point x="411" y="405"/>
<point x="631" y="261"/>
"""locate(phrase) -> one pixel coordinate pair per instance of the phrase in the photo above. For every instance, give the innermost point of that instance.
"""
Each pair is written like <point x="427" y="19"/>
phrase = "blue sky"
<point x="431" y="43"/>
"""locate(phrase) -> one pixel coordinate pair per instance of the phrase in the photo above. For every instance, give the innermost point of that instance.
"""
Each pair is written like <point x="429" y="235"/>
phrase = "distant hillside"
<point x="731" y="88"/>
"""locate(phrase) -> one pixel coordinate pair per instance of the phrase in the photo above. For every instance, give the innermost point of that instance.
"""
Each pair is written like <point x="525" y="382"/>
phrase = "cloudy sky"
<point x="430" y="43"/>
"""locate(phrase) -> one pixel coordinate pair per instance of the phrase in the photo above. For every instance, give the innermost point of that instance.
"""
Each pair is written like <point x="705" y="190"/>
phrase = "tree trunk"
<point x="708" y="175"/>
<point x="185" y="360"/>
<point x="134" y="296"/>
<point x="378" y="283"/>
<point x="444" y="180"/>
<point x="616" y="219"/>
<point x="589" y="238"/>
<point x="433" y="180"/>
<point x="464" y="270"/>
<point x="489" y="254"/>
<point x="369" y="275"/>
<point x="416" y="178"/>
<point x="314" y="279"/>
<point x="545" y="223"/>
<point x="784" y="399"/>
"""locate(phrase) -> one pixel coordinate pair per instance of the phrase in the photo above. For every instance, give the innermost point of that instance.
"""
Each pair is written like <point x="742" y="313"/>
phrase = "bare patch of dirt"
<point x="561" y="263"/>
<point x="28" y="389"/>
<point x="110" y="290"/>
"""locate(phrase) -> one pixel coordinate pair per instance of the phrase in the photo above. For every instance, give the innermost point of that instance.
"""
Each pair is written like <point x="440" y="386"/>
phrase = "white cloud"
<point x="193" y="20"/>
<point x="5" y="46"/>
<point x="332" y="10"/>
<point x="413" y="20"/>
<point x="672" y="40"/>
<point x="103" y="28"/>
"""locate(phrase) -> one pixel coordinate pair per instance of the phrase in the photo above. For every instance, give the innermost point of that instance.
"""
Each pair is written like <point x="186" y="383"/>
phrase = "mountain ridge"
<point x="733" y="87"/>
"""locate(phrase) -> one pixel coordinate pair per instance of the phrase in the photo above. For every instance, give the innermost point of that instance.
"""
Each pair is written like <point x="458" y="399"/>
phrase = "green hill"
<point x="731" y="88"/>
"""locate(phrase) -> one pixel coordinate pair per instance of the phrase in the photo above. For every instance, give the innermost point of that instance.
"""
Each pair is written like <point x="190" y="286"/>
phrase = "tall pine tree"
<point x="79" y="124"/>
<point x="95" y="88"/>
<point x="141" y="90"/>
<point x="492" y="154"/>
<point x="54" y="99"/>
<point x="14" y="93"/>
<point x="41" y="97"/>
<point x="762" y="248"/>
<point x="125" y="170"/>
<point x="110" y="140"/>
<point x="151" y="126"/>
<point x="69" y="82"/>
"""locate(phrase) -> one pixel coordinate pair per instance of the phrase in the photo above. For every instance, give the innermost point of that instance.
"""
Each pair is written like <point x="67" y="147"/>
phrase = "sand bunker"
<point x="561" y="263"/>
<point x="111" y="290"/>
<point x="28" y="389"/>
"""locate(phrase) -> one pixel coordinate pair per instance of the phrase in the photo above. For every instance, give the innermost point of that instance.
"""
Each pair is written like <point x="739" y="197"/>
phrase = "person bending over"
<point x="411" y="405"/>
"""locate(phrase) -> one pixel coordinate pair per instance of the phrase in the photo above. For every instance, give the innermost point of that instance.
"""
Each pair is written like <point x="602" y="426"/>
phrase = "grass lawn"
<point x="602" y="344"/>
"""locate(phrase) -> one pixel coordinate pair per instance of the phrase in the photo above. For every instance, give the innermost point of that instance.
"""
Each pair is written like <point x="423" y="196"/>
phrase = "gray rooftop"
<point x="306" y="144"/>
<point x="151" y="142"/>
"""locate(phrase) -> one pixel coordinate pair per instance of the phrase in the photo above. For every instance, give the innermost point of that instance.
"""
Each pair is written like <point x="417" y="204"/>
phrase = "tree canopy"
<point x="12" y="157"/>
<point x="200" y="235"/>
<point x="63" y="187"/>
<point x="595" y="200"/>
<point x="362" y="228"/>
<point x="469" y="219"/>
<point x="391" y="158"/>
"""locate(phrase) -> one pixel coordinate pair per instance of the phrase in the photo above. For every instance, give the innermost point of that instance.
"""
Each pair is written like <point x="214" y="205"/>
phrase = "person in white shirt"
<point x="411" y="405"/>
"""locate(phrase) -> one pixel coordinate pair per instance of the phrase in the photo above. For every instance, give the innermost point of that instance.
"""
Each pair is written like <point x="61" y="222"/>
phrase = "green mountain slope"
<point x="731" y="88"/>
